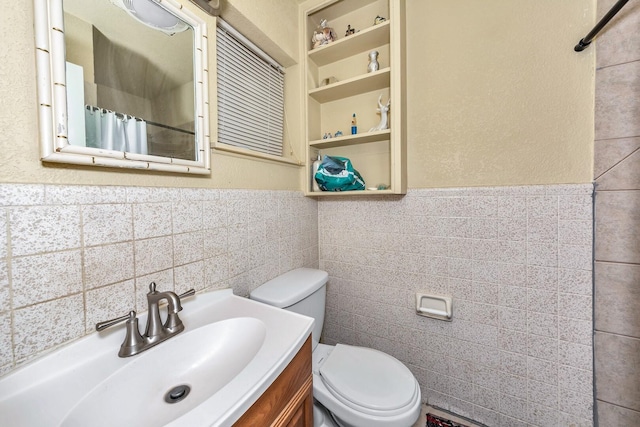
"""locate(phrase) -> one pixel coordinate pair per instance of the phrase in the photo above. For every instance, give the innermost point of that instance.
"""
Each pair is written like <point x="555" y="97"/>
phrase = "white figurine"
<point x="384" y="115"/>
<point x="323" y="35"/>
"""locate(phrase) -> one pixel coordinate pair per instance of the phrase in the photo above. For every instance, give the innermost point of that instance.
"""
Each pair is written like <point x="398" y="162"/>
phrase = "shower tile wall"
<point x="617" y="218"/>
<point x="71" y="256"/>
<point x="517" y="261"/>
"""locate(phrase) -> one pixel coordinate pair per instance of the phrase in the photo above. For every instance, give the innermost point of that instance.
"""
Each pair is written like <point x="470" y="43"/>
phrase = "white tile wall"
<point x="71" y="256"/>
<point x="517" y="261"/>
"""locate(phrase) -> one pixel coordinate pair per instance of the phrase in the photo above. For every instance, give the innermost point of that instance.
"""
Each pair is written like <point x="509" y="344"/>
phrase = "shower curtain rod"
<point x="586" y="41"/>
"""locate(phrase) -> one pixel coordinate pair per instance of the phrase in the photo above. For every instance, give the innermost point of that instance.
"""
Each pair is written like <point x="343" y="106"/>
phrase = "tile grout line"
<point x="9" y="263"/>
<point x="616" y="164"/>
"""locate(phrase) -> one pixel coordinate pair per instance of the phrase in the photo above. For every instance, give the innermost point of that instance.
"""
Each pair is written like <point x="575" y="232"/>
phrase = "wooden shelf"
<point x="350" y="193"/>
<point x="354" y="86"/>
<point x="343" y="141"/>
<point x="366" y="39"/>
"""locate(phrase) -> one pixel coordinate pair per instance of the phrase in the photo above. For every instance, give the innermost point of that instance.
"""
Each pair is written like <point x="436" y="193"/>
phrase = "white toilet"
<point x="352" y="386"/>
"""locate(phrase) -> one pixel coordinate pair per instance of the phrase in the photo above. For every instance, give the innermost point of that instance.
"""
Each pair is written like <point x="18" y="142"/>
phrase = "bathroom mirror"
<point x="123" y="83"/>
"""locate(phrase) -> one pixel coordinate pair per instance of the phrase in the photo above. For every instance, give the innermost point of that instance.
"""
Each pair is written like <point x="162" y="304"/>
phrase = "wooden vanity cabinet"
<point x="288" y="402"/>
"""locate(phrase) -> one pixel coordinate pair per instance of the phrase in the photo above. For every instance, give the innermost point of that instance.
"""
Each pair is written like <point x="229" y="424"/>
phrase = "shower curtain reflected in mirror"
<point x="115" y="131"/>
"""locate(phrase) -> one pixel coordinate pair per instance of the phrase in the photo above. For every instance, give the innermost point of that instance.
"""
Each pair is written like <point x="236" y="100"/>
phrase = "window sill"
<point x="250" y="153"/>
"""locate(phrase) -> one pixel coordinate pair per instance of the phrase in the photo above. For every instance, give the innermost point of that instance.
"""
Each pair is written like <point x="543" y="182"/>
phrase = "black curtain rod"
<point x="586" y="41"/>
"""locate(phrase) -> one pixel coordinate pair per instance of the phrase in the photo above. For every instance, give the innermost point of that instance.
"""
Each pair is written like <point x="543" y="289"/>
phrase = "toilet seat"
<point x="368" y="380"/>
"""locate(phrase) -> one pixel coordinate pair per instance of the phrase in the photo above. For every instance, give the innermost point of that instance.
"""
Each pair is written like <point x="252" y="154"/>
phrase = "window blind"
<point x="250" y="96"/>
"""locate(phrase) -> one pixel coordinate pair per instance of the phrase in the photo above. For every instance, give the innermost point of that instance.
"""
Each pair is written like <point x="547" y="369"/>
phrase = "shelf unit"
<point x="380" y="156"/>
<point x="368" y="38"/>
<point x="344" y="141"/>
<point x="359" y="84"/>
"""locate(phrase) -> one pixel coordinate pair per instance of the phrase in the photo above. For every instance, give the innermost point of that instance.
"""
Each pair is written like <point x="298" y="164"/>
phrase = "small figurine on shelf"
<point x="373" y="62"/>
<point x="323" y="35"/>
<point x="354" y="124"/>
<point x="384" y="115"/>
<point x="328" y="81"/>
<point x="378" y="20"/>
<point x="327" y="135"/>
<point x="338" y="133"/>
<point x="349" y="31"/>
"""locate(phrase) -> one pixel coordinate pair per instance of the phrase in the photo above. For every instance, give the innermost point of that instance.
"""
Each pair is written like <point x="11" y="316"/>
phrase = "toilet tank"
<point x="302" y="291"/>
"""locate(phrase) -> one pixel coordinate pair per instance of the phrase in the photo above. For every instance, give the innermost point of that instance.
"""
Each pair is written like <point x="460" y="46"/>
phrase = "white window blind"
<point x="250" y="95"/>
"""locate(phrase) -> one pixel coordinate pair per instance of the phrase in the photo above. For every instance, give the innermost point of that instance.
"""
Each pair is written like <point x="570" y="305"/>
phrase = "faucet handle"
<point x="189" y="293"/>
<point x="100" y="326"/>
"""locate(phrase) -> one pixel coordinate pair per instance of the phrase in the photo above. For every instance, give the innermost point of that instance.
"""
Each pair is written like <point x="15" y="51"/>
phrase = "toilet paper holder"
<point x="434" y="306"/>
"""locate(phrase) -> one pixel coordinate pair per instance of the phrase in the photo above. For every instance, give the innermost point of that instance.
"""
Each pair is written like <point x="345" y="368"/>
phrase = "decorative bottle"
<point x="354" y="125"/>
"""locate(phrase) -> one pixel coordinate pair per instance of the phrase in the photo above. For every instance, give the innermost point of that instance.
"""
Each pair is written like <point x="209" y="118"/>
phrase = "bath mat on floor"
<point x="436" y="421"/>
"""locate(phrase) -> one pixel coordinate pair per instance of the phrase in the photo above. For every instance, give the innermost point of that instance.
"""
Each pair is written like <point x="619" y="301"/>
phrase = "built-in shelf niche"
<point x="379" y="155"/>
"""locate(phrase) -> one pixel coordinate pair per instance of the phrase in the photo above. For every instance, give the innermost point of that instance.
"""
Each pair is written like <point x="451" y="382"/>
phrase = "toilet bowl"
<point x="352" y="386"/>
<point x="322" y="417"/>
<point x="364" y="387"/>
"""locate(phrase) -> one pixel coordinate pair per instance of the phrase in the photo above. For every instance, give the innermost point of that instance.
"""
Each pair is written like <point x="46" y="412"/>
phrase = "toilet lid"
<point x="368" y="378"/>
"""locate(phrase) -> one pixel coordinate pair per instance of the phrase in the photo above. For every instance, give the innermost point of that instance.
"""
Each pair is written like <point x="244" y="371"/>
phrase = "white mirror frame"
<point x="52" y="98"/>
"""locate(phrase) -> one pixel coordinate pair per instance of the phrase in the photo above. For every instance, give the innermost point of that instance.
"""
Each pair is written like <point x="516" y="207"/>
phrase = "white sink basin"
<point x="230" y="352"/>
<point x="204" y="359"/>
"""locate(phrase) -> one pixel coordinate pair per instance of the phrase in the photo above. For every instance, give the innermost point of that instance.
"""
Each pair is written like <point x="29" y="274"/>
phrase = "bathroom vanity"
<point x="288" y="402"/>
<point x="245" y="364"/>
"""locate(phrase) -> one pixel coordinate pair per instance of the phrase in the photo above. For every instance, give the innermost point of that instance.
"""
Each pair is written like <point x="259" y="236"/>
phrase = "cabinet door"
<point x="288" y="400"/>
<point x="298" y="419"/>
<point x="301" y="412"/>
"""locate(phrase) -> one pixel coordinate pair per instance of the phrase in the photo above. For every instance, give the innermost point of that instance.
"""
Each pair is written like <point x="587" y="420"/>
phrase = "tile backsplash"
<point x="517" y="262"/>
<point x="71" y="256"/>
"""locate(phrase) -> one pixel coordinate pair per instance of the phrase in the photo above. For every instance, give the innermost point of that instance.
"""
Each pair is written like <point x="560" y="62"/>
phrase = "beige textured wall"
<point x="497" y="96"/>
<point x="20" y="158"/>
<point x="275" y="19"/>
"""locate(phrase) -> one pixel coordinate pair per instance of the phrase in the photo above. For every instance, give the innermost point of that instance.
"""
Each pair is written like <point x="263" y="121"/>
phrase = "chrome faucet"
<point x="156" y="331"/>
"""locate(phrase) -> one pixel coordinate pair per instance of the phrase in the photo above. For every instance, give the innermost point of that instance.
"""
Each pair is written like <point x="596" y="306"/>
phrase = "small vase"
<point x="373" y="62"/>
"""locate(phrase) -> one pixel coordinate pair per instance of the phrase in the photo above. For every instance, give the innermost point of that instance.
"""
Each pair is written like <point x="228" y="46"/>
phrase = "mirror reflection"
<point x="130" y="85"/>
